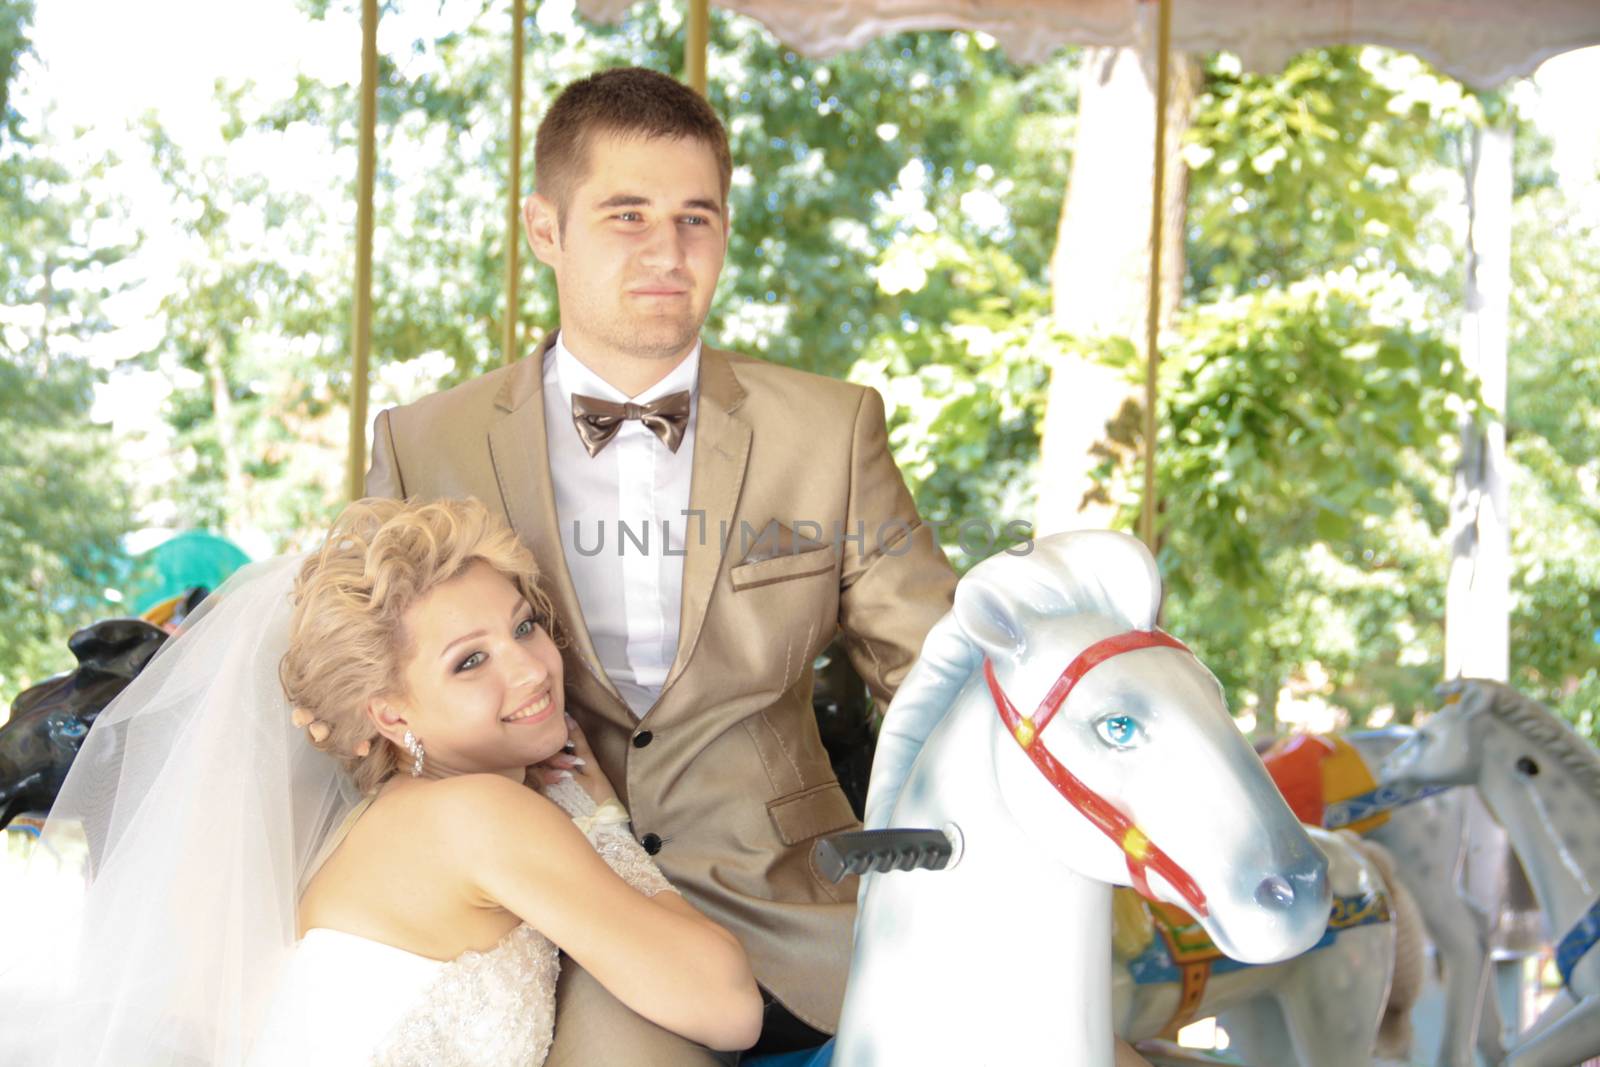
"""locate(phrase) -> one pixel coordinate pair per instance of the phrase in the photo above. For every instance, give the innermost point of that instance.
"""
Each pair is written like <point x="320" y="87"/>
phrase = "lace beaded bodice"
<point x="494" y="1008"/>
<point x="498" y="1007"/>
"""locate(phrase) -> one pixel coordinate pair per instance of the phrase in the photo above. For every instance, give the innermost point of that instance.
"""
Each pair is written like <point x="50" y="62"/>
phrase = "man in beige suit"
<point x="705" y="522"/>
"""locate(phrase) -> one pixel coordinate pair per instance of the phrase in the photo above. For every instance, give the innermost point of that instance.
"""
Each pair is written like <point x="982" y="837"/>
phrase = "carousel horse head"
<point x="1450" y="748"/>
<point x="1447" y="748"/>
<point x="50" y="720"/>
<point x="1096" y="709"/>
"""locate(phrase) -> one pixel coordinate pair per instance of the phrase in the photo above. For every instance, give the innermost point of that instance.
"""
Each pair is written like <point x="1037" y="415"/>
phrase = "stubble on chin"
<point x="657" y="340"/>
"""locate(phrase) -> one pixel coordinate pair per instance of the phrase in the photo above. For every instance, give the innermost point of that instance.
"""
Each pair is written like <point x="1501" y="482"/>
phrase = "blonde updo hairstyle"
<point x="347" y="643"/>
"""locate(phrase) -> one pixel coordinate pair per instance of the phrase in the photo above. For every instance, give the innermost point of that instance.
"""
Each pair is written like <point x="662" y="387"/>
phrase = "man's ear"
<point x="542" y="221"/>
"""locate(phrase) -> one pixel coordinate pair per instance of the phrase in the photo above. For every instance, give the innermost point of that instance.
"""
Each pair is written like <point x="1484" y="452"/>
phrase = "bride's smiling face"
<point x="482" y="681"/>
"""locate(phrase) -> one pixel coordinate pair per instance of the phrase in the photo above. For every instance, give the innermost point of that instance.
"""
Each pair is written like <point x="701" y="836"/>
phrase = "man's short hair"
<point x="627" y="102"/>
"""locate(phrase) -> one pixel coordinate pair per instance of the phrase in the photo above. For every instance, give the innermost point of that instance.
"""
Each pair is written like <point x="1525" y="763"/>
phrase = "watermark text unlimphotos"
<point x="977" y="537"/>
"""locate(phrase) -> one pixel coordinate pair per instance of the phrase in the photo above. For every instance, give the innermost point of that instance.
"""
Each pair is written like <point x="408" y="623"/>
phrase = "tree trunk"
<point x="238" y="501"/>
<point x="1100" y="275"/>
<point x="1268" y="691"/>
<point x="1477" y="630"/>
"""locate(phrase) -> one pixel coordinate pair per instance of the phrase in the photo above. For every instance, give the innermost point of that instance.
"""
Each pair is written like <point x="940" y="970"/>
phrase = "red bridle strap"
<point x="1092" y="657"/>
<point x="1141" y="852"/>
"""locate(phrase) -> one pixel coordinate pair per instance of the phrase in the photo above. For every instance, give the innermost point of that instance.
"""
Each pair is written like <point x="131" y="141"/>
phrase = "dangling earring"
<point x="418" y="757"/>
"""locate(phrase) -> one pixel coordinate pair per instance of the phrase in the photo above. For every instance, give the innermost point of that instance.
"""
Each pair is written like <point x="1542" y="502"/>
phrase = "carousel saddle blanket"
<point x="1326" y="782"/>
<point x="1159" y="940"/>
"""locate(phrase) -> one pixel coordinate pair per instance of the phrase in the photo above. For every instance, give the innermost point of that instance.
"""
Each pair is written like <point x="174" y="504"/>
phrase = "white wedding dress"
<point x="345" y="1000"/>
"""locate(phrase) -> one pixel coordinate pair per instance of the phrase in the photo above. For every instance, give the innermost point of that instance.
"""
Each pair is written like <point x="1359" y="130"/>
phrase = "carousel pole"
<point x="1152" y="325"/>
<point x="513" y="197"/>
<point x="362" y="331"/>
<point x="694" y="51"/>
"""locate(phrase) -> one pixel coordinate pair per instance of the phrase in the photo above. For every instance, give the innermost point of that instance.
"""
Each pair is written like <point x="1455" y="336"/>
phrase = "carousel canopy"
<point x="1482" y="42"/>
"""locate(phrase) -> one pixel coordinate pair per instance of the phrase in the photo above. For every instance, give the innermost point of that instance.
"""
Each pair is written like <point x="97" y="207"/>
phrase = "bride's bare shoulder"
<point x="483" y="808"/>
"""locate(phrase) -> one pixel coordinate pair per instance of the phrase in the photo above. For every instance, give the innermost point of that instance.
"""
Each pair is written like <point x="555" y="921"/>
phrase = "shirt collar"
<point x="573" y="377"/>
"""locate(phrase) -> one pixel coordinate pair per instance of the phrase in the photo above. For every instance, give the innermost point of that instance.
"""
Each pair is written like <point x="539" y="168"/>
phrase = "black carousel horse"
<point x="50" y="720"/>
<point x="846" y="722"/>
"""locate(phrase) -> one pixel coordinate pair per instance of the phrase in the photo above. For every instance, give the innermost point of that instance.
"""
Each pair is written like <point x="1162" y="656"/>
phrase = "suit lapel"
<point x="521" y="456"/>
<point x="721" y="452"/>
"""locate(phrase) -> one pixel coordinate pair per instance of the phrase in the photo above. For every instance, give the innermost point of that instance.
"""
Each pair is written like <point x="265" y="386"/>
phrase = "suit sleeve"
<point x="383" y="477"/>
<point x="895" y="582"/>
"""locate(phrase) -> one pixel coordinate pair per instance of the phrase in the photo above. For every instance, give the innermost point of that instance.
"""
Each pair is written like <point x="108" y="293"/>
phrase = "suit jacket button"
<point x="642" y="738"/>
<point x="651" y="843"/>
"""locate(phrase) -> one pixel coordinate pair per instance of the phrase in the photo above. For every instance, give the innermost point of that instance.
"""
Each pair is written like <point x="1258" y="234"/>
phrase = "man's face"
<point x="638" y="258"/>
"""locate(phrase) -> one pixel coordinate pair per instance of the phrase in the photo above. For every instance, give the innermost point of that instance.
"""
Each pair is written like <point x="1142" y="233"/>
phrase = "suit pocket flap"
<point x="819" y="810"/>
<point x="782" y="568"/>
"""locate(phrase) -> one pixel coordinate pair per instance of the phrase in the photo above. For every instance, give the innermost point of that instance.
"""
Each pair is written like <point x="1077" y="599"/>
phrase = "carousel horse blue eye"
<point x="1119" y="731"/>
<point x="73" y="728"/>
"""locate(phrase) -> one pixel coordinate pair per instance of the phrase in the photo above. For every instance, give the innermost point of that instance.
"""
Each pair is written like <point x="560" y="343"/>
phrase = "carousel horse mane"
<point x="1088" y="572"/>
<point x="1538" y="724"/>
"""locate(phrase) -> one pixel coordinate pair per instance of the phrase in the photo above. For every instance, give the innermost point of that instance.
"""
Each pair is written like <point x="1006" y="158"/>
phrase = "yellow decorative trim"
<point x="1025" y="733"/>
<point x="1359" y="911"/>
<point x="1136" y="844"/>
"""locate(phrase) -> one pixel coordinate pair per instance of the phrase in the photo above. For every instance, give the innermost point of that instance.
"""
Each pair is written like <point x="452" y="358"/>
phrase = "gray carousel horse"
<point x="1541" y="781"/>
<point x="1429" y="839"/>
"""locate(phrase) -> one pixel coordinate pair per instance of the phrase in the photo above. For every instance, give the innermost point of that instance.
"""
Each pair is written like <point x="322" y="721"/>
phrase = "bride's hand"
<point x="577" y="761"/>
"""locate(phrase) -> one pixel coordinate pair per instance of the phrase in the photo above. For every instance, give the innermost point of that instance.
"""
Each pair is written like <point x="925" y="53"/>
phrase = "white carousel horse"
<point x="1319" y="1009"/>
<point x="1131" y="770"/>
<point x="1436" y="843"/>
<point x="1542" y="782"/>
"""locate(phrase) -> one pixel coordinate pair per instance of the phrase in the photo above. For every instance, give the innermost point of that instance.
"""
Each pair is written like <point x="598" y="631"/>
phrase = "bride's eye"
<point x="470" y="662"/>
<point x="526" y="626"/>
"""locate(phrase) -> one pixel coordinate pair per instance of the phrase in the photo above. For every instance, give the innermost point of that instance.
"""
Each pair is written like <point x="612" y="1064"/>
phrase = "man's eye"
<point x="470" y="662"/>
<point x="696" y="220"/>
<point x="629" y="216"/>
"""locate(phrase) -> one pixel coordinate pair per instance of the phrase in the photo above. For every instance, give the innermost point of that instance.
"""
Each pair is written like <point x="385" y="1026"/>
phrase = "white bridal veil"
<point x="201" y="808"/>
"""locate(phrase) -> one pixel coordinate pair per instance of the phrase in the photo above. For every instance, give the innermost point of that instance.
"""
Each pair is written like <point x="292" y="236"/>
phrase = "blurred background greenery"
<point x="896" y="214"/>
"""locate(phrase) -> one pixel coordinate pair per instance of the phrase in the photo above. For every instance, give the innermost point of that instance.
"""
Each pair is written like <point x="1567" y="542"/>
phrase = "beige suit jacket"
<point x="726" y="770"/>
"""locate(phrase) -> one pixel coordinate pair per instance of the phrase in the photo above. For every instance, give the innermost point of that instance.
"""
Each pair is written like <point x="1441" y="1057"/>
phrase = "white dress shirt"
<point x="622" y="520"/>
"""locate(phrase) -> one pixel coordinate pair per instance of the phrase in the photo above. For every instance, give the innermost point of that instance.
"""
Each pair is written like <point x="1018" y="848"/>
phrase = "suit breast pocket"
<point x="785" y="568"/>
<point x="810" y="813"/>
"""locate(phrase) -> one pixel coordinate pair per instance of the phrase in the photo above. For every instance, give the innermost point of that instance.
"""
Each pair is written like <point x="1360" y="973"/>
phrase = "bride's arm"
<point x="658" y="955"/>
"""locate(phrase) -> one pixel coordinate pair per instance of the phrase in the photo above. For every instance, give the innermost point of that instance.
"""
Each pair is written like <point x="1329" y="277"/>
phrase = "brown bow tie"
<point x="599" y="420"/>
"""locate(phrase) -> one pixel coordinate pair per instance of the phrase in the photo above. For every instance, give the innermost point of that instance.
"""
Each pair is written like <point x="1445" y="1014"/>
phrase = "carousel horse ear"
<point x="1098" y="571"/>
<point x="991" y="609"/>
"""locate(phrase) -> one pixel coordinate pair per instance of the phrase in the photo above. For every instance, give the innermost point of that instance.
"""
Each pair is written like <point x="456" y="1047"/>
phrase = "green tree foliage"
<point x="1301" y="445"/>
<point x="1553" y="438"/>
<point x="15" y="17"/>
<point x="1309" y="543"/>
<point x="62" y="513"/>
<point x="248" y="327"/>
<point x="1311" y="169"/>
<point x="894" y="217"/>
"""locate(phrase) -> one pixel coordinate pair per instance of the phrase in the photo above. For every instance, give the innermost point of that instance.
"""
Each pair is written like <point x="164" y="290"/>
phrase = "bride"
<point x="310" y="839"/>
